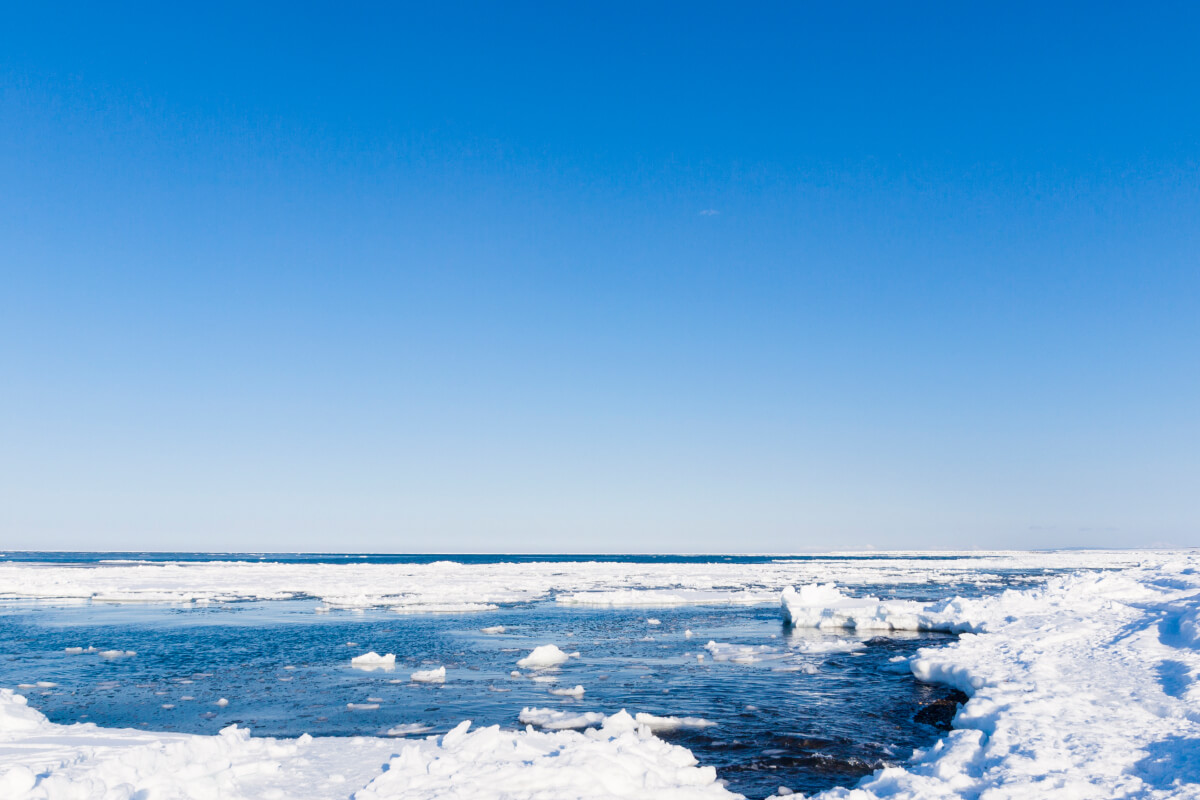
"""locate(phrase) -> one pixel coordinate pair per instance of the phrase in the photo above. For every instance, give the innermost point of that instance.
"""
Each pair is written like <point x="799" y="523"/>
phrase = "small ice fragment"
<point x="222" y="702"/>
<point x="515" y="674"/>
<point x="409" y="729"/>
<point x="546" y="655"/>
<point x="576" y="692"/>
<point x="187" y="697"/>
<point x="492" y="629"/>
<point x="655" y="723"/>
<point x="430" y="675"/>
<point x="117" y="653"/>
<point x="545" y="679"/>
<point x="374" y="699"/>
<point x="289" y="666"/>
<point x="75" y="651"/>
<point x="351" y="644"/>
<point x="783" y="791"/>
<point x="573" y="655"/>
<point x="363" y="706"/>
<point x="653" y="621"/>
<point x="168" y="706"/>
<point x="687" y="634"/>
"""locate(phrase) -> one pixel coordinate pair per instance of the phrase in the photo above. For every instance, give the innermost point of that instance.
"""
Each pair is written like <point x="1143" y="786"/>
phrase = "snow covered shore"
<point x="1084" y="687"/>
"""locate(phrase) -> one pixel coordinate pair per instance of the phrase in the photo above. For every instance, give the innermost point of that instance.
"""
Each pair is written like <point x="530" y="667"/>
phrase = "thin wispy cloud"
<point x="709" y="212"/>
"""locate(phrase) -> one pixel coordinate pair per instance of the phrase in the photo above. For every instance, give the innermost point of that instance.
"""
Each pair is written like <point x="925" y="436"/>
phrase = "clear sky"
<point x="606" y="277"/>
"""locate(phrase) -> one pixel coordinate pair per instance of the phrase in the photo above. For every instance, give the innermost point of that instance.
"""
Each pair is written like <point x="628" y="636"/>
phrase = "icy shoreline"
<point x="1083" y="687"/>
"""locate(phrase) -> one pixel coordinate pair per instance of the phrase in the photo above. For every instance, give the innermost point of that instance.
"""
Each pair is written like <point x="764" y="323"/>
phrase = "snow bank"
<point x="1084" y="688"/>
<point x="43" y="761"/>
<point x="543" y="656"/>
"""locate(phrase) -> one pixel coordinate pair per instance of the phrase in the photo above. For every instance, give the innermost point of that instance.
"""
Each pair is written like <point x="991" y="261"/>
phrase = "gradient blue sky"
<point x="615" y="277"/>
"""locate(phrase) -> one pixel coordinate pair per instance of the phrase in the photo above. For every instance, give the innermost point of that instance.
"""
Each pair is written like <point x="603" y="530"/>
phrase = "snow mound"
<point x="430" y="675"/>
<point x="543" y="656"/>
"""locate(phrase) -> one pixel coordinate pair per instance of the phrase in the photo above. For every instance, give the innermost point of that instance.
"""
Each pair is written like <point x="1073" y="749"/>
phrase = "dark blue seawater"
<point x="61" y="558"/>
<point x="806" y="721"/>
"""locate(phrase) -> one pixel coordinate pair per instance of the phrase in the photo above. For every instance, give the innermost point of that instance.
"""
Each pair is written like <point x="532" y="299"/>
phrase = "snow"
<point x="543" y="656"/>
<point x="40" y="760"/>
<point x="430" y="675"/>
<point x="372" y="661"/>
<point x="449" y="586"/>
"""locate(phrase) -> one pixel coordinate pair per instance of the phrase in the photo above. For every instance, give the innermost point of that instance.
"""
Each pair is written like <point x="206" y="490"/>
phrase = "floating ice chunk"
<point x="687" y="634"/>
<point x="168" y="706"/>
<point x="575" y="692"/>
<point x="740" y="653"/>
<point x="76" y="651"/>
<point x="545" y="679"/>
<point x="117" y="653"/>
<point x="634" y="598"/>
<point x="372" y="661"/>
<point x="655" y="723"/>
<point x="653" y="621"/>
<point x="430" y="675"/>
<point x="546" y="655"/>
<point x="409" y="729"/>
<point x="492" y="629"/>
<point x="515" y="674"/>
<point x="363" y="706"/>
<point x="222" y="702"/>
<point x="554" y="720"/>
<point x="824" y="606"/>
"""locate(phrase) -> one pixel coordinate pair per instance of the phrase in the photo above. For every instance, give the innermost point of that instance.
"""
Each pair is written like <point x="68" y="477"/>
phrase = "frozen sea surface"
<point x="809" y="710"/>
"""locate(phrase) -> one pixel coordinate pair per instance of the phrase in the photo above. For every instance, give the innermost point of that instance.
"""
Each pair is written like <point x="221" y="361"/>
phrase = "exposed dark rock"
<point x="939" y="713"/>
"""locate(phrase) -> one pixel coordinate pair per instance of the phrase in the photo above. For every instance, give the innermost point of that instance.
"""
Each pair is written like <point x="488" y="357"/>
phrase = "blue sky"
<point x="616" y="277"/>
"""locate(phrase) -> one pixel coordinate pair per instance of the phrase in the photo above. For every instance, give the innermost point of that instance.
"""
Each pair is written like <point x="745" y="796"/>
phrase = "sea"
<point x="801" y="709"/>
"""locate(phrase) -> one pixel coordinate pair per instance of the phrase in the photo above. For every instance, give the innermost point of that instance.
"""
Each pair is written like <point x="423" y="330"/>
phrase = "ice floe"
<point x="543" y="656"/>
<point x="430" y="675"/>
<point x="576" y="691"/>
<point x="372" y="661"/>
